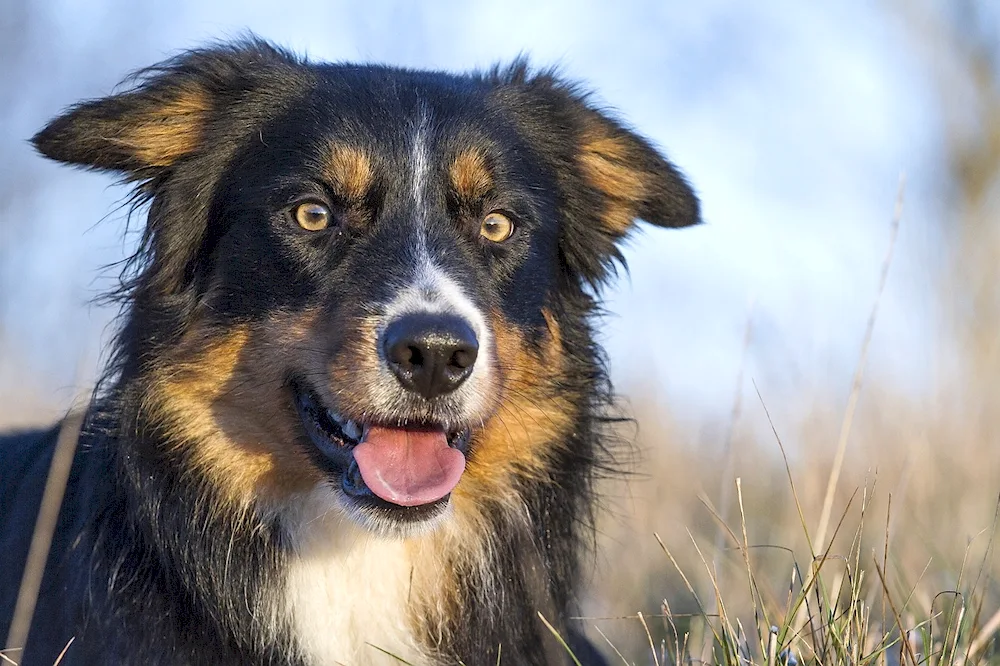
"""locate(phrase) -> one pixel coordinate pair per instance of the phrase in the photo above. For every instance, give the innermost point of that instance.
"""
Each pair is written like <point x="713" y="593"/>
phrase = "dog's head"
<point x="366" y="280"/>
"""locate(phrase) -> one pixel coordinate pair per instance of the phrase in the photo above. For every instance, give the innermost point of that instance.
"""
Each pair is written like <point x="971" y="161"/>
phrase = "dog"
<point x="354" y="410"/>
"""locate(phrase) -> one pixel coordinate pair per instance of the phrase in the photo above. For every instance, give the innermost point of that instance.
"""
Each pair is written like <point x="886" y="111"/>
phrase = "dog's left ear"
<point x="609" y="176"/>
<point x="200" y="106"/>
<point x="632" y="177"/>
<point x="615" y="178"/>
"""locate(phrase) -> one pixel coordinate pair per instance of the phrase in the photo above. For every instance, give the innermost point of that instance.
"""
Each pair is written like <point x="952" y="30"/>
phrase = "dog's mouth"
<point x="407" y="468"/>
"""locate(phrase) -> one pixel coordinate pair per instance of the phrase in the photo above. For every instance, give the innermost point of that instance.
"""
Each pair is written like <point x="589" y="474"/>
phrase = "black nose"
<point x="430" y="354"/>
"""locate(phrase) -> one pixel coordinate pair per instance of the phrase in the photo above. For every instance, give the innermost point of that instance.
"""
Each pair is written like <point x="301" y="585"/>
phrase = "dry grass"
<point x="912" y="551"/>
<point x="879" y="551"/>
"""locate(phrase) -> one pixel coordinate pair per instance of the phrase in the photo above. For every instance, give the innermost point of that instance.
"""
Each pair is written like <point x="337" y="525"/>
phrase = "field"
<point x="730" y="566"/>
<point x="853" y="529"/>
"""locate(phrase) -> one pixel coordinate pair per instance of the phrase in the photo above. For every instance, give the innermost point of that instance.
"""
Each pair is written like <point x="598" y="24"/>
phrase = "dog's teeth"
<point x="336" y="418"/>
<point x="352" y="430"/>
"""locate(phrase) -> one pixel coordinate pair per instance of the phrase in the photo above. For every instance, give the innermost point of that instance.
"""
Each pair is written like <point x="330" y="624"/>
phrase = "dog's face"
<point x="364" y="280"/>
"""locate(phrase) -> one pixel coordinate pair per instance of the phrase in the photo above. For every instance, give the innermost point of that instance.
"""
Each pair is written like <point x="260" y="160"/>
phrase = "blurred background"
<point x="795" y="122"/>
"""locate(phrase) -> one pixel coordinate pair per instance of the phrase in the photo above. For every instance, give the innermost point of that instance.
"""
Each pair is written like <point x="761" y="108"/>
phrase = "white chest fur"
<point x="348" y="591"/>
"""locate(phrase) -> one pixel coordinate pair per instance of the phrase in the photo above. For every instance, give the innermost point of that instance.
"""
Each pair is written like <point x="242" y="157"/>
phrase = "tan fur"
<point x="532" y="418"/>
<point x="352" y="380"/>
<point x="174" y="130"/>
<point x="605" y="163"/>
<point x="222" y="399"/>
<point x="350" y="170"/>
<point x="470" y="175"/>
<point x="458" y="548"/>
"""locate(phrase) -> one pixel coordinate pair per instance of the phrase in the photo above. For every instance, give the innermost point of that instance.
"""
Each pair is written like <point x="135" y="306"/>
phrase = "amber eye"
<point x="313" y="216"/>
<point x="496" y="228"/>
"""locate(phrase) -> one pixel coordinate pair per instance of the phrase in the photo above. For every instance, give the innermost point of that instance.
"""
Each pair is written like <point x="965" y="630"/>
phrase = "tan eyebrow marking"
<point x="350" y="170"/>
<point x="470" y="176"/>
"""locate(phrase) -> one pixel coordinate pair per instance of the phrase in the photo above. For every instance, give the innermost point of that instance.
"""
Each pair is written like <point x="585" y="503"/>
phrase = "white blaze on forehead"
<point x="432" y="289"/>
<point x="420" y="159"/>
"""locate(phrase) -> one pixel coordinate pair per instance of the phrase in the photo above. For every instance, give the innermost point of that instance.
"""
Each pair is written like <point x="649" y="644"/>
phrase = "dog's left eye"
<point x="313" y="216"/>
<point x="496" y="227"/>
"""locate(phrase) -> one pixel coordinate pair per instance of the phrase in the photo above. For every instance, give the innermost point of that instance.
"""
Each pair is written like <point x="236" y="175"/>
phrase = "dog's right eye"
<point x="312" y="216"/>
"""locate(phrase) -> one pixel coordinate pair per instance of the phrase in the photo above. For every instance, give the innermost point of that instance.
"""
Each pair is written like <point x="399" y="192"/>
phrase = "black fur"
<point x="151" y="563"/>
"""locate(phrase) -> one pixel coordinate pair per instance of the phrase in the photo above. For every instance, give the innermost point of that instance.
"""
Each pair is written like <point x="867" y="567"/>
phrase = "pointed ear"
<point x="633" y="178"/>
<point x="164" y="118"/>
<point x="151" y="127"/>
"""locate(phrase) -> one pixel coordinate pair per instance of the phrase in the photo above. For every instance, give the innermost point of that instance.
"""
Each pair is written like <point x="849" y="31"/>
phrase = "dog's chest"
<point x="348" y="595"/>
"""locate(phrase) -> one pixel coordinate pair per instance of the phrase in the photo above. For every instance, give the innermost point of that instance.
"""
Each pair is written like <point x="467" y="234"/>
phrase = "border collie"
<point x="354" y="410"/>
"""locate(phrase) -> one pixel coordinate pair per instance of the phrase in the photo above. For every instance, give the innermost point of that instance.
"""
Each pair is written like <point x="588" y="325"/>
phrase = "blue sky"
<point x="793" y="120"/>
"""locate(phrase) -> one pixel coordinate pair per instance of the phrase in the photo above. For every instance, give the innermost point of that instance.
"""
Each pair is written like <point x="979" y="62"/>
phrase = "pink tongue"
<point x="408" y="467"/>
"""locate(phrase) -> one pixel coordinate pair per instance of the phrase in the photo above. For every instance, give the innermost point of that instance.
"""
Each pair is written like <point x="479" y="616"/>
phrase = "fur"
<point x="201" y="524"/>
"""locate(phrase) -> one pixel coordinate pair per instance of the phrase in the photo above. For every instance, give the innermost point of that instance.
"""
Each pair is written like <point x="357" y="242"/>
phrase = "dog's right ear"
<point x="163" y="119"/>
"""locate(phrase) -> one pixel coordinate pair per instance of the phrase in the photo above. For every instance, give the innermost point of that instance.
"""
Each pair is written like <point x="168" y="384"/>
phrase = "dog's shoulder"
<point x="24" y="464"/>
<point x="25" y="459"/>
